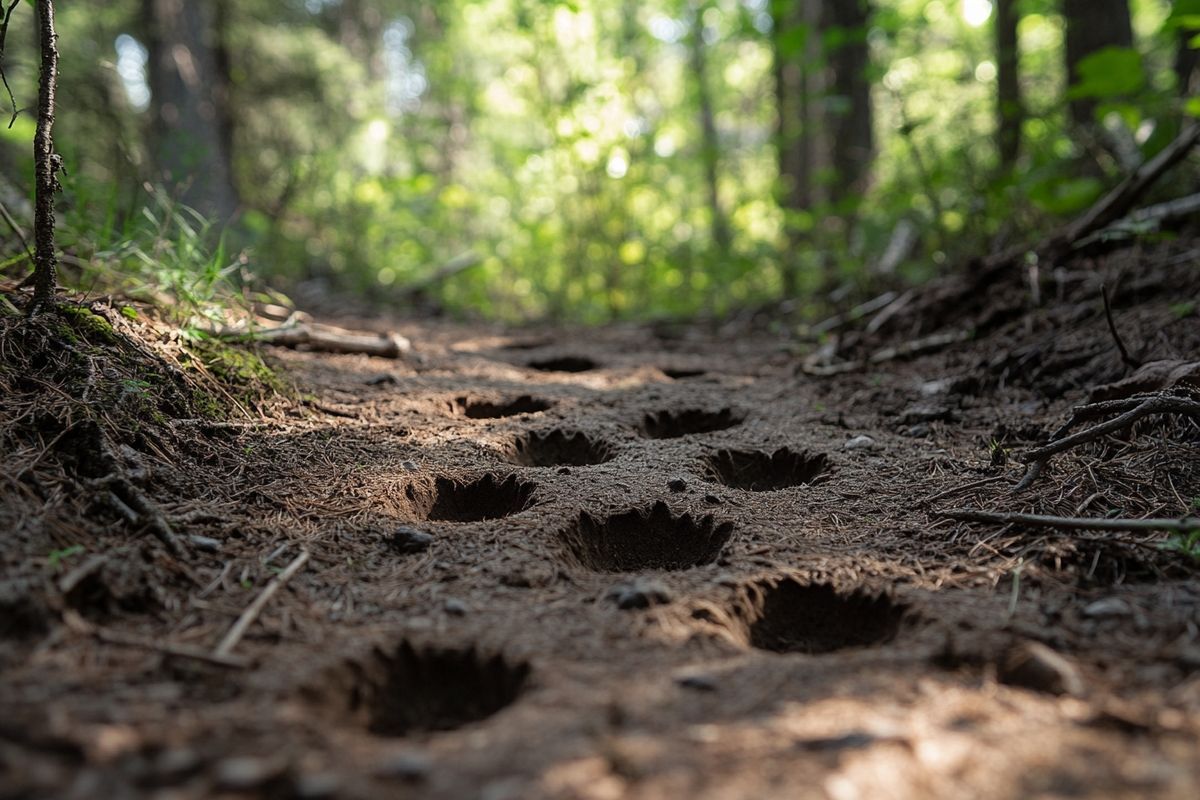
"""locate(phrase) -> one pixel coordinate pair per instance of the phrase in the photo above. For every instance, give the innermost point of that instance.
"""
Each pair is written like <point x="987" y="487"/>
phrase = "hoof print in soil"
<point x="559" y="448"/>
<point x="673" y="424"/>
<point x="489" y="497"/>
<point x="653" y="538"/>
<point x="416" y="690"/>
<point x="1031" y="665"/>
<point x="793" y="617"/>
<point x="406" y="540"/>
<point x="758" y="471"/>
<point x="639" y="593"/>
<point x="565" y="364"/>
<point x="473" y="408"/>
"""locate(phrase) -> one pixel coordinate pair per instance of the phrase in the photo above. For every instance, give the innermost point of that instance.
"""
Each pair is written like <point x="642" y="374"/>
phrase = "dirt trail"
<point x="617" y="563"/>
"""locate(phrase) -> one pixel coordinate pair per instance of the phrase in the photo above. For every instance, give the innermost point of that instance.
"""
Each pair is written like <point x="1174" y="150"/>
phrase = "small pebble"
<point x="639" y="593"/>
<point x="411" y="466"/>
<point x="699" y="683"/>
<point x="712" y="500"/>
<point x="409" y="540"/>
<point x="405" y="766"/>
<point x="677" y="484"/>
<point x="455" y="607"/>
<point x="1108" y="607"/>
<point x="244" y="773"/>
<point x="918" y="431"/>
<point x="380" y="379"/>
<point x="1035" y="666"/>
<point x="862" y="442"/>
<point x="205" y="544"/>
<point x="564" y="470"/>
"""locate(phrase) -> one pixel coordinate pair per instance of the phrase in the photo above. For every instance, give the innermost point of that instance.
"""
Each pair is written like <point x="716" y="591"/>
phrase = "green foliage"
<point x="561" y="144"/>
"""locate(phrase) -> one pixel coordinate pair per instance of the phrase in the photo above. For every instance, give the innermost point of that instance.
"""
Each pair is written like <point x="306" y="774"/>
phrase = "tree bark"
<point x="1010" y="110"/>
<point x="710" y="144"/>
<point x="1092" y="25"/>
<point x="849" y="111"/>
<point x="46" y="166"/>
<point x="793" y="72"/>
<point x="188" y="95"/>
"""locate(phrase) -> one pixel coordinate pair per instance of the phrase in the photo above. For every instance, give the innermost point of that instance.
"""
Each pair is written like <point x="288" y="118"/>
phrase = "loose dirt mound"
<point x="638" y="567"/>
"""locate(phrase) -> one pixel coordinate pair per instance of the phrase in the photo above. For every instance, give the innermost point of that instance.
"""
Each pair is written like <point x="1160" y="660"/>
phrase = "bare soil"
<point x="644" y="562"/>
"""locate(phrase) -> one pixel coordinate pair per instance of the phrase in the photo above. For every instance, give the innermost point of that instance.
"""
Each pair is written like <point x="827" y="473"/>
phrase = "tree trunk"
<point x="1092" y="25"/>
<point x="46" y="166"/>
<point x="1187" y="58"/>
<point x="1010" y="111"/>
<point x="793" y="70"/>
<point x="849" y="111"/>
<point x="188" y="96"/>
<point x="710" y="144"/>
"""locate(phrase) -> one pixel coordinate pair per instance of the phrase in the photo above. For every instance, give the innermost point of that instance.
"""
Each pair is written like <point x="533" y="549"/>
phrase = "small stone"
<point x="318" y="785"/>
<point x="925" y="413"/>
<point x="455" y="607"/>
<point x="712" y="500"/>
<point x="1035" y="666"/>
<point x="698" y="683"/>
<point x="918" y="431"/>
<point x="411" y="466"/>
<point x="409" y="540"/>
<point x="1108" y="607"/>
<point x="677" y="484"/>
<point x="406" y="766"/>
<point x="244" y="773"/>
<point x="861" y="442"/>
<point x="564" y="470"/>
<point x="381" y="379"/>
<point x="205" y="544"/>
<point x="639" y="593"/>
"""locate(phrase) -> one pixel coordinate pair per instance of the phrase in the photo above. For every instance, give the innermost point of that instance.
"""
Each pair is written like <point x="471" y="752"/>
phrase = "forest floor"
<point x="642" y="562"/>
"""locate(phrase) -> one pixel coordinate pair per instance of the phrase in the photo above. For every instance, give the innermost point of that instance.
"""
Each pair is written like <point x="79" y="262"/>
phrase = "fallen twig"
<point x="80" y="625"/>
<point x="1071" y="523"/>
<point x="1129" y="360"/>
<point x="960" y="489"/>
<point x="328" y="339"/>
<point x="256" y="606"/>
<point x="1133" y="408"/>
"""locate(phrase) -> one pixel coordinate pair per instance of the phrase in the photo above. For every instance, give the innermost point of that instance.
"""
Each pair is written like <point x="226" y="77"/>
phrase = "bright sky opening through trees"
<point x="599" y="159"/>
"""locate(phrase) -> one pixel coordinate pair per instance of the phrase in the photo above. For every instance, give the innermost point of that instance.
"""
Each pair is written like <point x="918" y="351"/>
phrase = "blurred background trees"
<point x="592" y="159"/>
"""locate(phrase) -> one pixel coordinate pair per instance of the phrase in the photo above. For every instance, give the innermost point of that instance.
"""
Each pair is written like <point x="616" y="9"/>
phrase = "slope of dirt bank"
<point x="620" y="563"/>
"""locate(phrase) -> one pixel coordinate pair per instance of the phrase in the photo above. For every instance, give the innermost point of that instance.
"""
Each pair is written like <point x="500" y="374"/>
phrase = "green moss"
<point x="86" y="324"/>
<point x="241" y="371"/>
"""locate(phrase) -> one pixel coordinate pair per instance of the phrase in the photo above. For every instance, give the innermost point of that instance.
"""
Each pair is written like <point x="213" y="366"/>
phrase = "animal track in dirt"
<point x="557" y="448"/>
<point x="565" y="364"/>
<point x="475" y="408"/>
<point x="793" y="617"/>
<point x="673" y="424"/>
<point x="653" y="538"/>
<point x="489" y="497"/>
<point x="759" y="471"/>
<point x="415" y="690"/>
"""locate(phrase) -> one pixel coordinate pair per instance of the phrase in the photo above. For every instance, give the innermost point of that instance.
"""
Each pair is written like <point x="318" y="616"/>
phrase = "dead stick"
<point x="1074" y="523"/>
<point x="1129" y="360"/>
<point x="180" y="650"/>
<point x="255" y="608"/>
<point x="1158" y="404"/>
<point x="960" y="489"/>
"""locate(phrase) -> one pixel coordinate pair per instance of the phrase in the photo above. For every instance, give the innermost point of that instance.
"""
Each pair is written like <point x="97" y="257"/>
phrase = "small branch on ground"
<point x="80" y="625"/>
<point x="1072" y="523"/>
<point x="1133" y="408"/>
<point x="255" y="608"/>
<point x="1129" y="360"/>
<point x="328" y="339"/>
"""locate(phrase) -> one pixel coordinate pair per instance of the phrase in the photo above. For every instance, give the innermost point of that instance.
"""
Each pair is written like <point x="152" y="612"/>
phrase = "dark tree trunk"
<point x="188" y="95"/>
<point x="1009" y="108"/>
<point x="849" y="118"/>
<point x="793" y="70"/>
<point x="709" y="142"/>
<point x="1092" y="25"/>
<point x="46" y="166"/>
<point x="1187" y="58"/>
